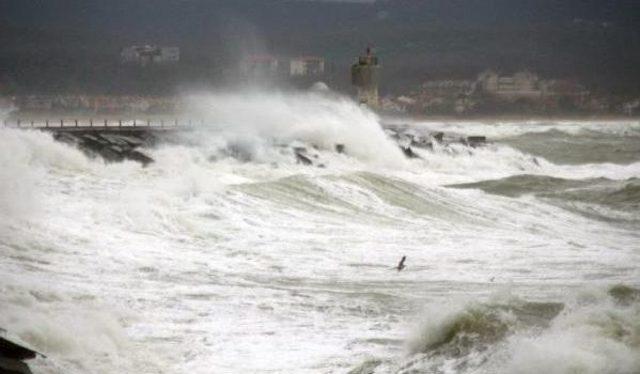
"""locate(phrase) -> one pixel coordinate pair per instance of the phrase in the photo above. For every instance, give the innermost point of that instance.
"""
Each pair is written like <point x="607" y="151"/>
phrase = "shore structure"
<point x="364" y="76"/>
<point x="122" y="140"/>
<point x="13" y="355"/>
<point x="111" y="140"/>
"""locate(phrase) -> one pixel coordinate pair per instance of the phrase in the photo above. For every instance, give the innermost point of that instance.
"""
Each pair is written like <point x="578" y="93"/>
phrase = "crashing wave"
<point x="598" y="332"/>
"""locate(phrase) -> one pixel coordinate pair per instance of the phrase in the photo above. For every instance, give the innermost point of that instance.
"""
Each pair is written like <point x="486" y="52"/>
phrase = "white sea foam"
<point x="590" y="337"/>
<point x="504" y="129"/>
<point x="225" y="255"/>
<point x="505" y="334"/>
<point x="321" y="119"/>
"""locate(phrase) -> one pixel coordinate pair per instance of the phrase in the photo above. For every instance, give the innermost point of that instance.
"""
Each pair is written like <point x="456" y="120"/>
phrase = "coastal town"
<point x="489" y="93"/>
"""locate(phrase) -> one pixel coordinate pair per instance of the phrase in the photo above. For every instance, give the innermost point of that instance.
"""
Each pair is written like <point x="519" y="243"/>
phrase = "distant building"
<point x="522" y="84"/>
<point x="522" y="91"/>
<point x="448" y="87"/>
<point x="563" y="88"/>
<point x="149" y="55"/>
<point x="306" y="66"/>
<point x="631" y="107"/>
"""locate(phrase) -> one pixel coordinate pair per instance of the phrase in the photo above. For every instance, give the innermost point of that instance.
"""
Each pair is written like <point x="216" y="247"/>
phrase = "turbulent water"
<point x="226" y="256"/>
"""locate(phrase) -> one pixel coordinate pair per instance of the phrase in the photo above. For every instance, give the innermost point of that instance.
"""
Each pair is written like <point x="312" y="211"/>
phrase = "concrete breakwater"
<point x="118" y="140"/>
<point x="113" y="140"/>
<point x="13" y="355"/>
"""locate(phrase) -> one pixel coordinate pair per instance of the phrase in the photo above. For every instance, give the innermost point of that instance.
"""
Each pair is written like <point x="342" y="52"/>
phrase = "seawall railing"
<point x="91" y="124"/>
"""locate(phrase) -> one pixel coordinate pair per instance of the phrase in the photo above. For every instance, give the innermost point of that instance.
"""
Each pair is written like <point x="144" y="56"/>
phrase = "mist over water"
<point x="225" y="255"/>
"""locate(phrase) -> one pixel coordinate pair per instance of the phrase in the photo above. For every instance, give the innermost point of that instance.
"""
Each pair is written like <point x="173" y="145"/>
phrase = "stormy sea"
<point x="229" y="255"/>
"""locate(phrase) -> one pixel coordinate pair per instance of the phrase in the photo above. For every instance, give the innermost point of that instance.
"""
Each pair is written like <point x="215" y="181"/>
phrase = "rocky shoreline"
<point x="123" y="145"/>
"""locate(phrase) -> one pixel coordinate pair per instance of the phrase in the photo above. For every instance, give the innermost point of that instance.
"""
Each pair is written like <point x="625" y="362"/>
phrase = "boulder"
<point x="303" y="159"/>
<point x="11" y="366"/>
<point x="409" y="152"/>
<point x="9" y="349"/>
<point x="438" y="136"/>
<point x="140" y="157"/>
<point x="111" y="147"/>
<point x="12" y="355"/>
<point x="476" y="141"/>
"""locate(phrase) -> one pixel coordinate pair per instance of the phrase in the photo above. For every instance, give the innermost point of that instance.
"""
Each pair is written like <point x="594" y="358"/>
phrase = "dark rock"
<point x="91" y="140"/>
<point x="131" y="140"/>
<point x="302" y="159"/>
<point x="300" y="149"/>
<point x="9" y="366"/>
<point x="475" y="141"/>
<point x="421" y="142"/>
<point x="66" y="138"/>
<point x="12" y="355"/>
<point x="109" y="154"/>
<point x="12" y="350"/>
<point x="438" y="136"/>
<point x="117" y="149"/>
<point x="340" y="148"/>
<point x="115" y="139"/>
<point x="111" y="147"/>
<point x="409" y="152"/>
<point x="140" y="157"/>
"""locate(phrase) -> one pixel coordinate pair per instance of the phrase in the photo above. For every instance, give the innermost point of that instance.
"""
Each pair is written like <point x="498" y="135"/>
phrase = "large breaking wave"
<point x="592" y="332"/>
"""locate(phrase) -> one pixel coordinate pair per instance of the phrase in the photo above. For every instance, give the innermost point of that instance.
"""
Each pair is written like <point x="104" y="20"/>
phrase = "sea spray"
<point x="25" y="159"/>
<point x="317" y="118"/>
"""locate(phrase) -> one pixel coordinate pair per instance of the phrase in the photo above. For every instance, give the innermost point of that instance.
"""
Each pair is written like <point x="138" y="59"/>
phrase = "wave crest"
<point x="597" y="331"/>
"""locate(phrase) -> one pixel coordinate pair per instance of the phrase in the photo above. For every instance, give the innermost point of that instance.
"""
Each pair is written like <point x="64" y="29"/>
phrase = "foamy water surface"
<point x="226" y="256"/>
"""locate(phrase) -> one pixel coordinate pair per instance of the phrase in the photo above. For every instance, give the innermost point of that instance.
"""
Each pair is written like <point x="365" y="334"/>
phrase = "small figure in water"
<point x="401" y="263"/>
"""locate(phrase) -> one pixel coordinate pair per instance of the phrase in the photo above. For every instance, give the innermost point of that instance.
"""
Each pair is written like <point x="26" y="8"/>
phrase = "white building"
<point x="522" y="84"/>
<point x="306" y="66"/>
<point x="449" y="87"/>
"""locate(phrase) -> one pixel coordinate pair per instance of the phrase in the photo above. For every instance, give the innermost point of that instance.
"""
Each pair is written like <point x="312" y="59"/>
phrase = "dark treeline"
<point x="73" y="45"/>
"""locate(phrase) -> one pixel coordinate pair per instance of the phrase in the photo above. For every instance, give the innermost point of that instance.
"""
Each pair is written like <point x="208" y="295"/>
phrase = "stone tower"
<point x="364" y="76"/>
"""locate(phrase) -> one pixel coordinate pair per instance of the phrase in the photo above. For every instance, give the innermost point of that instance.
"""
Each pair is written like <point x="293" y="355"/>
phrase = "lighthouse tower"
<point x="364" y="76"/>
